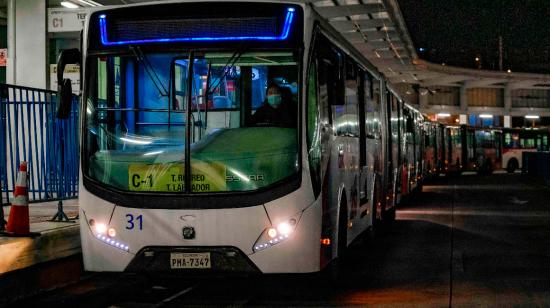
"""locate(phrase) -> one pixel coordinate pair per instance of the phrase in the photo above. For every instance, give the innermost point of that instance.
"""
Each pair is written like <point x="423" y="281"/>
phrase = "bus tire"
<point x="512" y="165"/>
<point x="489" y="166"/>
<point x="336" y="266"/>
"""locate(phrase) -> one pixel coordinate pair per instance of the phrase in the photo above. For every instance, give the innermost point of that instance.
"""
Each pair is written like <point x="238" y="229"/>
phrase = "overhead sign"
<point x="205" y="177"/>
<point x="66" y="20"/>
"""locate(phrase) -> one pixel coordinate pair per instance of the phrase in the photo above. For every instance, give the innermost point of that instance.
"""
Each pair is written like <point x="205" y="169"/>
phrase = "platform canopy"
<point x="378" y="30"/>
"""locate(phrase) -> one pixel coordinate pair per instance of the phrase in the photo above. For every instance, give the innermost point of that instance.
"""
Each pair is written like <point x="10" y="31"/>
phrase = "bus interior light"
<point x="533" y="117"/>
<point x="290" y="12"/>
<point x="486" y="116"/>
<point x="443" y="115"/>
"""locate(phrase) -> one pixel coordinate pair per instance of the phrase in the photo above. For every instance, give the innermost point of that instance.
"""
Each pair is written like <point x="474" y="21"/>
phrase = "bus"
<point x="473" y="149"/>
<point x="179" y="176"/>
<point x="519" y="140"/>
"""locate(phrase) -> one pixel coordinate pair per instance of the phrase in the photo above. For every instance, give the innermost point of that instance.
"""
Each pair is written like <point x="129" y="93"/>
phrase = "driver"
<point x="277" y="109"/>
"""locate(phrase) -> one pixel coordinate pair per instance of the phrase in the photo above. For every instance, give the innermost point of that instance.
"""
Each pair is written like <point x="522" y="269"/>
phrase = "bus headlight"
<point x="107" y="235"/>
<point x="272" y="236"/>
<point x="111" y="232"/>
<point x="100" y="228"/>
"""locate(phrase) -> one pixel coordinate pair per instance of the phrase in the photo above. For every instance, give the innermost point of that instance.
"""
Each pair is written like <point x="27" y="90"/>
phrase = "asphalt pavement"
<point x="468" y="241"/>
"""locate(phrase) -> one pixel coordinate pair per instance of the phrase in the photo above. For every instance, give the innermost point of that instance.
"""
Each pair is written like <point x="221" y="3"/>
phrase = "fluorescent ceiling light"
<point x="90" y="2"/>
<point x="443" y="115"/>
<point x="69" y="5"/>
<point x="532" y="117"/>
<point x="486" y="116"/>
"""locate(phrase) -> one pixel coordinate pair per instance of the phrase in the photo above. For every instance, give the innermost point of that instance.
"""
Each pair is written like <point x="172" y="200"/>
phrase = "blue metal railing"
<point x="30" y="131"/>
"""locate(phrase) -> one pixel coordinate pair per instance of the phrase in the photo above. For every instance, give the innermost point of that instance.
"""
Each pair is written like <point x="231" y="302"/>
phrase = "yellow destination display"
<point x="205" y="177"/>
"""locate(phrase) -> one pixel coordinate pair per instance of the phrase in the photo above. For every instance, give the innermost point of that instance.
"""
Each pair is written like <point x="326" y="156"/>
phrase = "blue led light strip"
<point x="284" y="34"/>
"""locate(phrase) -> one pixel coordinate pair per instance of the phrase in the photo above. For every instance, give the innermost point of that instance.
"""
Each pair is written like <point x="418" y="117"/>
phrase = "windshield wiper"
<point x="150" y="70"/>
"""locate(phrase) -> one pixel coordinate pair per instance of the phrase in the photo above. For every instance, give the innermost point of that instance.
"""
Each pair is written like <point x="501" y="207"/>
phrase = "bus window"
<point x="528" y="143"/>
<point x="348" y="122"/>
<point x="484" y="139"/>
<point x="136" y="123"/>
<point x="372" y="107"/>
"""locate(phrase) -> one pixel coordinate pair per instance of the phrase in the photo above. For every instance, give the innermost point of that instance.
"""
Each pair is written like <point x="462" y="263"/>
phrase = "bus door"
<point x="498" y="149"/>
<point x="440" y="147"/>
<point x="542" y="141"/>
<point x="347" y="126"/>
<point x="393" y="150"/>
<point x="371" y="170"/>
<point x="409" y="152"/>
<point x="469" y="148"/>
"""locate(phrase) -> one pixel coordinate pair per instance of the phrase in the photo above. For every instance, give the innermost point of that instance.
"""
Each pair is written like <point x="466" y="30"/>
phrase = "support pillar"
<point x="26" y="64"/>
<point x="423" y="101"/>
<point x="463" y="98"/>
<point x="507" y="97"/>
<point x="507" y="121"/>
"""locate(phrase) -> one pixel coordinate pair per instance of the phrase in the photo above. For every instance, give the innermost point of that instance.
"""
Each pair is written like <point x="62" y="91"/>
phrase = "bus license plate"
<point x="189" y="260"/>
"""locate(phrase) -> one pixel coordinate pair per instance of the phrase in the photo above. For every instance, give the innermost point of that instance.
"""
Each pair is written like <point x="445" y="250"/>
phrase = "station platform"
<point x="56" y="240"/>
<point x="31" y="264"/>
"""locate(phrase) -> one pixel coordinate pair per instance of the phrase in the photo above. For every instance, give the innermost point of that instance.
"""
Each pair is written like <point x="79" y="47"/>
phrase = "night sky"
<point x="456" y="31"/>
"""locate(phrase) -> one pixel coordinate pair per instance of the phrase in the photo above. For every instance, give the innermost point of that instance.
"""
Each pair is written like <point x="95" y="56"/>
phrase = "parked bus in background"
<point x="181" y="175"/>
<point x="519" y="140"/>
<point x="481" y="149"/>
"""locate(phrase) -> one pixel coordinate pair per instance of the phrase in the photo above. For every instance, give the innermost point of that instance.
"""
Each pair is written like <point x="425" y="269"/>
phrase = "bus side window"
<point x="372" y="103"/>
<point x="351" y="115"/>
<point x="325" y="93"/>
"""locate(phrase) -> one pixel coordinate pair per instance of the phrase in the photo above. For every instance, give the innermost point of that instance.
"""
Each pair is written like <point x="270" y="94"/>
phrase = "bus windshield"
<point x="243" y="129"/>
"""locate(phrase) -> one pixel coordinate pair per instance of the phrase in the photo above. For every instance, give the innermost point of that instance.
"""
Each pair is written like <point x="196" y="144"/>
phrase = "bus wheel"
<point x="512" y="165"/>
<point x="489" y="166"/>
<point x="336" y="266"/>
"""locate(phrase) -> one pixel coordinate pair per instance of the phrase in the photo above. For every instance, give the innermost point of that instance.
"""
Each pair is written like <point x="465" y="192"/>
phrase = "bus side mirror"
<point x="64" y="88"/>
<point x="64" y="99"/>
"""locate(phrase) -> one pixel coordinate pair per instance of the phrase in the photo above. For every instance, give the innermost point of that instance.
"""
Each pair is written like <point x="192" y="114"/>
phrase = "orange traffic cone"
<point x="18" y="222"/>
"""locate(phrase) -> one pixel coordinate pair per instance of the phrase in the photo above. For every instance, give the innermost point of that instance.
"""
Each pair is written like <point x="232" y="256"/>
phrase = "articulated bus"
<point x="179" y="174"/>
<point x="519" y="140"/>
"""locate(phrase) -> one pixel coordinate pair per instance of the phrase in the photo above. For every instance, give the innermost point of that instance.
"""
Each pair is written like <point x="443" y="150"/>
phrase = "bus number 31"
<point x="134" y="222"/>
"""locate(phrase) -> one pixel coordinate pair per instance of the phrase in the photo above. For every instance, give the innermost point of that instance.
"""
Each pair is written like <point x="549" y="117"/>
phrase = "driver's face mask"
<point x="274" y="100"/>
